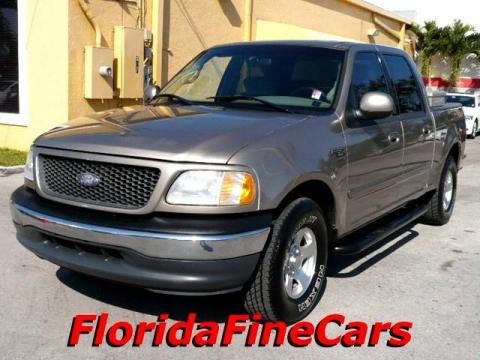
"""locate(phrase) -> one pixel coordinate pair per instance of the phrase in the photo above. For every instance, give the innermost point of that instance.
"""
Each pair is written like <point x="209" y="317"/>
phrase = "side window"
<point x="367" y="76"/>
<point x="406" y="87"/>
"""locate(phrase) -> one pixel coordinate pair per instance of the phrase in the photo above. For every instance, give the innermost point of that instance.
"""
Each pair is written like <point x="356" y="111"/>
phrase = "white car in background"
<point x="471" y="108"/>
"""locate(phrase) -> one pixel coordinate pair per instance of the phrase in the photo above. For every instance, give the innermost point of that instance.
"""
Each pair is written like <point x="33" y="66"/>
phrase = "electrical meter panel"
<point x="129" y="52"/>
<point x="98" y="73"/>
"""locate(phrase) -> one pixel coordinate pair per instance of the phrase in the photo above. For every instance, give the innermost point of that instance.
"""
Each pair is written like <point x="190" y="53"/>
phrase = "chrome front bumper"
<point x="169" y="253"/>
<point x="151" y="244"/>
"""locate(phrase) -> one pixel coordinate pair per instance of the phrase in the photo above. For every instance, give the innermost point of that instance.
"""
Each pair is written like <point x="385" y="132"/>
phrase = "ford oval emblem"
<point x="88" y="179"/>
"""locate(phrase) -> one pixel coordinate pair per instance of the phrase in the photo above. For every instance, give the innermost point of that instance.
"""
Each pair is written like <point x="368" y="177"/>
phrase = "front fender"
<point x="311" y="150"/>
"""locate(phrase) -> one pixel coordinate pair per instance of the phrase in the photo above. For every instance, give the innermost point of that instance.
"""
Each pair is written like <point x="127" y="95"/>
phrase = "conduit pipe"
<point x="247" y="22"/>
<point x="91" y="18"/>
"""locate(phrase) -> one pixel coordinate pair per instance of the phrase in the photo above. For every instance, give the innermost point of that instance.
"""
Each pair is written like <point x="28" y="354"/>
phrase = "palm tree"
<point x="459" y="40"/>
<point x="429" y="38"/>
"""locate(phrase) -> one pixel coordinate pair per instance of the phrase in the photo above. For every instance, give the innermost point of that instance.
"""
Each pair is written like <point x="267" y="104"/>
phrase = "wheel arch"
<point x="317" y="190"/>
<point x="455" y="152"/>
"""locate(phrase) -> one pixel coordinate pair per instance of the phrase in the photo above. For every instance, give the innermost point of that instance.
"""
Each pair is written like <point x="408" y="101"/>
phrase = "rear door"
<point x="417" y="123"/>
<point x="375" y="147"/>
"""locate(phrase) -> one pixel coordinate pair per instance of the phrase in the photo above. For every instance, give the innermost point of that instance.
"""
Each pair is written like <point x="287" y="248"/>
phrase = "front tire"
<point x="440" y="206"/>
<point x="289" y="280"/>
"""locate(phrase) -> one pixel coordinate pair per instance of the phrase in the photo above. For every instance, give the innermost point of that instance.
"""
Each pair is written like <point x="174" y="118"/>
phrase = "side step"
<point x="363" y="239"/>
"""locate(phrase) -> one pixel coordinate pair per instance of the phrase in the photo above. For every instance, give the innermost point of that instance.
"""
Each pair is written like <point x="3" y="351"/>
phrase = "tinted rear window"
<point x="406" y="87"/>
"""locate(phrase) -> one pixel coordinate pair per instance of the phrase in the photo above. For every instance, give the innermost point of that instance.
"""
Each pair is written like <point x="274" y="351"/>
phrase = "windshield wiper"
<point x="171" y="97"/>
<point x="231" y="98"/>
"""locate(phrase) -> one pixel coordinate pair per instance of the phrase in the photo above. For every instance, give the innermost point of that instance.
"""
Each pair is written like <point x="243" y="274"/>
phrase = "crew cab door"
<point x="375" y="147"/>
<point x="417" y="123"/>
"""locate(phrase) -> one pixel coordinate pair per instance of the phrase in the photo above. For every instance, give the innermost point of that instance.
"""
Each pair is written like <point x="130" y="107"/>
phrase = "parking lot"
<point x="427" y="275"/>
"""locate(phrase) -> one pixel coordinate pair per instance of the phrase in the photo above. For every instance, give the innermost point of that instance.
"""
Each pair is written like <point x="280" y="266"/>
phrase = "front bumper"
<point x="200" y="255"/>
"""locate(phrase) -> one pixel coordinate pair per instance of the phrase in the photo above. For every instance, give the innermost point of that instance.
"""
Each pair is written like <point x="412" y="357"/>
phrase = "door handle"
<point x="394" y="138"/>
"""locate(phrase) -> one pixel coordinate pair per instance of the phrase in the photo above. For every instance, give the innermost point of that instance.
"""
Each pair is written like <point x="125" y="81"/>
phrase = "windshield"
<point x="466" y="101"/>
<point x="293" y="77"/>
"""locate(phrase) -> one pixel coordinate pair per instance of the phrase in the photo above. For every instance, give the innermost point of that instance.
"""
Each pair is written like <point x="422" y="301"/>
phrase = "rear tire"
<point x="291" y="275"/>
<point x="440" y="206"/>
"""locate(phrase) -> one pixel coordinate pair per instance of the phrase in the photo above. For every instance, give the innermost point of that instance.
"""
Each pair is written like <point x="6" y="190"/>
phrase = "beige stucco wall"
<point x="327" y="16"/>
<point x="59" y="31"/>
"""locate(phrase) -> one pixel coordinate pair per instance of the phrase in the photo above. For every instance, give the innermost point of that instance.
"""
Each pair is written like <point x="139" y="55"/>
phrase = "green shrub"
<point x="12" y="157"/>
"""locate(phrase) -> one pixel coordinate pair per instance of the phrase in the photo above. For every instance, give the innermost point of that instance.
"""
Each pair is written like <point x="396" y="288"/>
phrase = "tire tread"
<point x="258" y="298"/>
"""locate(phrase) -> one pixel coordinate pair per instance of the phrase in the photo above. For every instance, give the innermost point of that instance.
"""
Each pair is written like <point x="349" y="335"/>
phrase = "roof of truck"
<point x="340" y="45"/>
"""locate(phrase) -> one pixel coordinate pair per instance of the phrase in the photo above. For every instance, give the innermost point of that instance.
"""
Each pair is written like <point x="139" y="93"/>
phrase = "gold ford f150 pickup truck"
<point x="244" y="172"/>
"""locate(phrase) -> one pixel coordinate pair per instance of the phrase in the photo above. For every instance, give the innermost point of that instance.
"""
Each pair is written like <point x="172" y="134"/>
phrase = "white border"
<point x="22" y="117"/>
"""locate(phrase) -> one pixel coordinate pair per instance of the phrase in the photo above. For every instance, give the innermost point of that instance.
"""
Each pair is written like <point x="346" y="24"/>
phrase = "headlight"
<point x="212" y="188"/>
<point x="29" y="167"/>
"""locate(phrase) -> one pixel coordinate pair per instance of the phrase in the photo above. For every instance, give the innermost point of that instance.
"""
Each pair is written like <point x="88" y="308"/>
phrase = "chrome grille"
<point x="118" y="186"/>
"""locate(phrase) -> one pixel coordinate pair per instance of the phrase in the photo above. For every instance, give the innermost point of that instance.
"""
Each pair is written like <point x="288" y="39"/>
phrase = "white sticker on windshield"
<point x="316" y="94"/>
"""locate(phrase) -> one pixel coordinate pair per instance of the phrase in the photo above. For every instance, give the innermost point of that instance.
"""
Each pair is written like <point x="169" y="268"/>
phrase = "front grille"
<point x="119" y="186"/>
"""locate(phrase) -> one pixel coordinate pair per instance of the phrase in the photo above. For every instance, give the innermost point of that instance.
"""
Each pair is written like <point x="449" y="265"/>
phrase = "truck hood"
<point x="172" y="133"/>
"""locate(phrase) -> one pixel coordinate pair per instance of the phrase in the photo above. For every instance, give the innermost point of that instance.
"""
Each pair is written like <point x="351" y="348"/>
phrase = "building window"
<point x="12" y="58"/>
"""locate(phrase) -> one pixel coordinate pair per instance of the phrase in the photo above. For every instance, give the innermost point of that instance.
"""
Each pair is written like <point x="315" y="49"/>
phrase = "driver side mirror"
<point x="150" y="93"/>
<point x="376" y="105"/>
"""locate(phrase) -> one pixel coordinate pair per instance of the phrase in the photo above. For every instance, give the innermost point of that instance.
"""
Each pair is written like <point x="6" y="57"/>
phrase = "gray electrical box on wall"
<point x="129" y="52"/>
